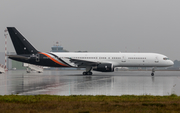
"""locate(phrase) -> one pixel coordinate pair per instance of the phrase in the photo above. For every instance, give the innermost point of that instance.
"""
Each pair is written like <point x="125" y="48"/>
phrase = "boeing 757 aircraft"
<point x="103" y="62"/>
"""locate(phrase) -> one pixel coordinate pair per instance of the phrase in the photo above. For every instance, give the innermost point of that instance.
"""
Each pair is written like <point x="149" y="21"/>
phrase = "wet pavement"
<point x="63" y="82"/>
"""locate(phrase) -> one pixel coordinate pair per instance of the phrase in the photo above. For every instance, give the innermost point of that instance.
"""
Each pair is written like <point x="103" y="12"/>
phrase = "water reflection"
<point x="152" y="79"/>
<point x="73" y="83"/>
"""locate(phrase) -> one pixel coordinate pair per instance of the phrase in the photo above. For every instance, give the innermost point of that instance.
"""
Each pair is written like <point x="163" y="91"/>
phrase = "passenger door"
<point x="123" y="58"/>
<point x="156" y="59"/>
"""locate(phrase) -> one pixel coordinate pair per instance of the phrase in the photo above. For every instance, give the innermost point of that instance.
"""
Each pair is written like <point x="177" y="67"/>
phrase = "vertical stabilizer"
<point x="21" y="45"/>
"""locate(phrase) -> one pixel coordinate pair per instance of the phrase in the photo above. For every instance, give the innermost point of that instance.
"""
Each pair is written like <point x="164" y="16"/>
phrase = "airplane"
<point x="96" y="61"/>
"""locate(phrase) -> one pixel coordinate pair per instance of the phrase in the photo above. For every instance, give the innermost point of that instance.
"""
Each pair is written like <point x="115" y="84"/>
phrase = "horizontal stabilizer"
<point x="18" y="56"/>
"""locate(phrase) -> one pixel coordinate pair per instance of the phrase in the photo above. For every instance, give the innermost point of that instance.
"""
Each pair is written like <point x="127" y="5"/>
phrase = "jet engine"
<point x="104" y="67"/>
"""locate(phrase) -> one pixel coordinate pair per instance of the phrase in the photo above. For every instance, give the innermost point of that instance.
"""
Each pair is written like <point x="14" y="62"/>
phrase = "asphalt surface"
<point x="64" y="82"/>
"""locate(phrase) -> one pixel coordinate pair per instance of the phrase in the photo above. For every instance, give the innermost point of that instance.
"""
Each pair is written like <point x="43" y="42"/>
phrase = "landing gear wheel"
<point x="87" y="73"/>
<point x="84" y="73"/>
<point x="152" y="74"/>
<point x="153" y="70"/>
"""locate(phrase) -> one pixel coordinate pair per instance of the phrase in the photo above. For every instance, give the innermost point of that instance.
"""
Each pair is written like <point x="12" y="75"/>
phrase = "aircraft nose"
<point x="171" y="62"/>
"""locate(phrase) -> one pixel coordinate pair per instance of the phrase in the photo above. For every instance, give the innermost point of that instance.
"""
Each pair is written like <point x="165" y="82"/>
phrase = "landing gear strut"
<point x="153" y="71"/>
<point x="88" y="71"/>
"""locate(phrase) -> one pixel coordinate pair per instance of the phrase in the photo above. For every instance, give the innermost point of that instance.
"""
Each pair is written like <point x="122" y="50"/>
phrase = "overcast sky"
<point x="96" y="25"/>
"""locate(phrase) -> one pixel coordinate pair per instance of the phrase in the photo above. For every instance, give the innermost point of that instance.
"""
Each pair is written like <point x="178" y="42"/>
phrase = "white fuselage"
<point x="103" y="62"/>
<point x="121" y="59"/>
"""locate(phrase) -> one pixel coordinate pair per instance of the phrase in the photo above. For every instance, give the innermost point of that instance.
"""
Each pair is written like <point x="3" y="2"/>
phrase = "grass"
<point x="88" y="104"/>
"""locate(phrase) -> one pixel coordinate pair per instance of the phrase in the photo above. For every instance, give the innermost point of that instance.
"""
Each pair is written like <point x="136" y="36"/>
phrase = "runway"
<point x="74" y="83"/>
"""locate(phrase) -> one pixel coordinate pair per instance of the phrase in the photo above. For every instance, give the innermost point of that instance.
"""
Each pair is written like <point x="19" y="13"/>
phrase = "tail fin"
<point x="21" y="45"/>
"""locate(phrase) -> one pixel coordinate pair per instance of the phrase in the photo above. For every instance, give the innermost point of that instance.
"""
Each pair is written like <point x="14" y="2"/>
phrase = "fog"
<point x="95" y="25"/>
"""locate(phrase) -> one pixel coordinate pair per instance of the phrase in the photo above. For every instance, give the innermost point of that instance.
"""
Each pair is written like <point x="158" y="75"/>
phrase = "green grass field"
<point x="89" y="104"/>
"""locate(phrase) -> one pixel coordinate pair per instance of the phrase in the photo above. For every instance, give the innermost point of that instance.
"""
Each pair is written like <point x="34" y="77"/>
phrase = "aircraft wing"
<point x="80" y="63"/>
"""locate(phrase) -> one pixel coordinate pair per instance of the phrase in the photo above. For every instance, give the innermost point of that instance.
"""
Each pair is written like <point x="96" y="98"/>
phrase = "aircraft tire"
<point x="152" y="74"/>
<point x="89" y="73"/>
<point x="84" y="73"/>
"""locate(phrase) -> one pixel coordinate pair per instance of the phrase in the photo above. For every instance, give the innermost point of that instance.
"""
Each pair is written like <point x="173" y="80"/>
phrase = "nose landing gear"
<point x="153" y="71"/>
<point x="152" y="74"/>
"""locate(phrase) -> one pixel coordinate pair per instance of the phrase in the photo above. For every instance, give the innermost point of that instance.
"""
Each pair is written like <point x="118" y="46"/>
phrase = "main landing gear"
<point x="88" y="71"/>
<point x="153" y="71"/>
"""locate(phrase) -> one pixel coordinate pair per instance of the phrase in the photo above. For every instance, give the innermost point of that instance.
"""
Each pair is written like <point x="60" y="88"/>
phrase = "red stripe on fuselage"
<point x="53" y="59"/>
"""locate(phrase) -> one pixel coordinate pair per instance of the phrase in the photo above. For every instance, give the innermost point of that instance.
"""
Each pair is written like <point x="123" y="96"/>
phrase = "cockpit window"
<point x="165" y="58"/>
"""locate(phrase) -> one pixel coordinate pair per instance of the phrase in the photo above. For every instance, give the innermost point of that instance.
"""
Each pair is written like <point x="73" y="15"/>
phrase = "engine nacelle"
<point x="105" y="67"/>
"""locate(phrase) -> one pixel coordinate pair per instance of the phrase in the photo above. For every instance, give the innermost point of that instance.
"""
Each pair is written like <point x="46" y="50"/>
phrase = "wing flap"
<point x="81" y="63"/>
